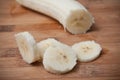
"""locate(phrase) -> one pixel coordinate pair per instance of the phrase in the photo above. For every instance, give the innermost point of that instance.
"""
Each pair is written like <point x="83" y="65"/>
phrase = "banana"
<point x="71" y="14"/>
<point x="44" y="44"/>
<point x="59" y="59"/>
<point x="27" y="47"/>
<point x="87" y="50"/>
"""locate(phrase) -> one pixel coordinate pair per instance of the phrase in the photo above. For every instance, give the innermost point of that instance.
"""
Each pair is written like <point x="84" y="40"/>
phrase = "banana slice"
<point x="44" y="44"/>
<point x="71" y="14"/>
<point x="27" y="47"/>
<point x="59" y="59"/>
<point x="87" y="50"/>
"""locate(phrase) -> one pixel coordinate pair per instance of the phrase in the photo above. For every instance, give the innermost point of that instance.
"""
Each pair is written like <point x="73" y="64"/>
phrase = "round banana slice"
<point x="59" y="59"/>
<point x="27" y="47"/>
<point x="44" y="44"/>
<point x="87" y="51"/>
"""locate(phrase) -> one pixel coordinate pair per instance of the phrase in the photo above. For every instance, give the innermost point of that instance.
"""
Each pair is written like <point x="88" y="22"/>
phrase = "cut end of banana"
<point x="79" y="21"/>
<point x="59" y="59"/>
<point x="27" y="47"/>
<point x="87" y="51"/>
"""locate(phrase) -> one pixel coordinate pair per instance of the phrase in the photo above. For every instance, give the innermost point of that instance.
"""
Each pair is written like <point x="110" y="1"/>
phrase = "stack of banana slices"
<point x="57" y="57"/>
<point x="74" y="17"/>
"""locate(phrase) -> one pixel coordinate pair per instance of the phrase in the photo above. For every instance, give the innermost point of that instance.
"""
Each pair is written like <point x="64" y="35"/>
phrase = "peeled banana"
<point x="59" y="59"/>
<point x="87" y="50"/>
<point x="27" y="47"/>
<point x="71" y="14"/>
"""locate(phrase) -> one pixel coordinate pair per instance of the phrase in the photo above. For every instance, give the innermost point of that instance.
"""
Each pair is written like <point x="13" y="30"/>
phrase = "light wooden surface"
<point x="106" y="31"/>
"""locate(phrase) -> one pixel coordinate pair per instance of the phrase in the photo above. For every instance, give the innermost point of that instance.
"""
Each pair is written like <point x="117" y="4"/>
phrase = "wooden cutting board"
<point x="106" y="31"/>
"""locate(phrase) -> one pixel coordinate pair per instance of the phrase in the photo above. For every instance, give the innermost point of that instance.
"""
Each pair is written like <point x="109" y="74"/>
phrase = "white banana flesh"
<point x="87" y="50"/>
<point x="27" y="47"/>
<point x="44" y="44"/>
<point x="71" y="14"/>
<point x="59" y="59"/>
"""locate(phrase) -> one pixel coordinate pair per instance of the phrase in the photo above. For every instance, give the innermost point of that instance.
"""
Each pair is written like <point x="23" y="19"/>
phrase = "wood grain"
<point x="106" y="31"/>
